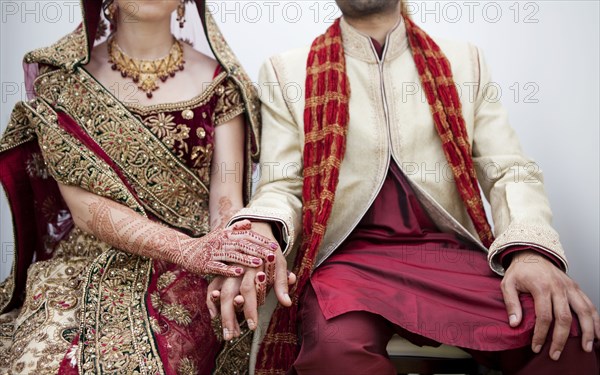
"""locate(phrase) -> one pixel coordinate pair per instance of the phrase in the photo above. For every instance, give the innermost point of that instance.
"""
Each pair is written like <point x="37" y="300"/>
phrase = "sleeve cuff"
<point x="541" y="238"/>
<point x="280" y="222"/>
<point x="506" y="256"/>
<point x="276" y="228"/>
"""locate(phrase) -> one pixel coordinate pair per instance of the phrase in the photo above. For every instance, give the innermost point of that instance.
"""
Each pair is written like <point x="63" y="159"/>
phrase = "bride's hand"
<point x="225" y="252"/>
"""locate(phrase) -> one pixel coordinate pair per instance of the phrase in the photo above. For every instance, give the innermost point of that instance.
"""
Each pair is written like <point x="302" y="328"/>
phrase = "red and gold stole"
<point x="326" y="117"/>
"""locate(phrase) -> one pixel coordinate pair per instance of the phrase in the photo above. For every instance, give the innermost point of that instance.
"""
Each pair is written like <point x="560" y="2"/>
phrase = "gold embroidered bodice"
<point x="187" y="128"/>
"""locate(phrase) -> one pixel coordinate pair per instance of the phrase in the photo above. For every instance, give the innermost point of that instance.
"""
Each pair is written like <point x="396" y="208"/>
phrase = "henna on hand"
<point x="225" y="213"/>
<point x="124" y="229"/>
<point x="261" y="288"/>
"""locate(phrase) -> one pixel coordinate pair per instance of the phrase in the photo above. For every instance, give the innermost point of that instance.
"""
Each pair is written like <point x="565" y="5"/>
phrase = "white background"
<point x="544" y="56"/>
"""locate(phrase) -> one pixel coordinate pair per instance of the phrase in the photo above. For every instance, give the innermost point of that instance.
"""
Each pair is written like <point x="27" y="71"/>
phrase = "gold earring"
<point x="112" y="12"/>
<point x="181" y="13"/>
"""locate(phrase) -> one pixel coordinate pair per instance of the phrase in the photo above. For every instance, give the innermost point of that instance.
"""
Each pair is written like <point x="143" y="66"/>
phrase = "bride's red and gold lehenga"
<point x="72" y="303"/>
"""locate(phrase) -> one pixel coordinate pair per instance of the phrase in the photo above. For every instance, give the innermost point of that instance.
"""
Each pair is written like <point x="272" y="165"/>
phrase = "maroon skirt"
<point x="398" y="264"/>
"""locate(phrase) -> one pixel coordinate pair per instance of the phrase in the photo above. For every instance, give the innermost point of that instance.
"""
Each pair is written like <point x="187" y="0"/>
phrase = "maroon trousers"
<point x="355" y="343"/>
<point x="398" y="273"/>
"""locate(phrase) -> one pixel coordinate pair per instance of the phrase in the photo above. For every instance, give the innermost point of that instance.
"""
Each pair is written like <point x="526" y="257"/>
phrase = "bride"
<point x="121" y="174"/>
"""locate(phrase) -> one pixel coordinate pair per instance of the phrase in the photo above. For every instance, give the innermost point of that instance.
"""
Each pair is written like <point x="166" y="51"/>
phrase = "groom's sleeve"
<point x="279" y="190"/>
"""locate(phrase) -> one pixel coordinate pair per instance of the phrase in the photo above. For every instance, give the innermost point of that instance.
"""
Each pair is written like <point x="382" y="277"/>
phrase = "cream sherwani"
<point x="391" y="122"/>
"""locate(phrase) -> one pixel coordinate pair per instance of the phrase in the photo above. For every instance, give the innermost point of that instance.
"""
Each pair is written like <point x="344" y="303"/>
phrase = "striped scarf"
<point x="326" y="117"/>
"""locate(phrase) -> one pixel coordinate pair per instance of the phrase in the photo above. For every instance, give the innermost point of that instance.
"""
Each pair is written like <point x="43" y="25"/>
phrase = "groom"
<point x="385" y="246"/>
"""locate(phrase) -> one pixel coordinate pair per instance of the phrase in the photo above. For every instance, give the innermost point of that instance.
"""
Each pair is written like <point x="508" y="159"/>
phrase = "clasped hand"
<point x="229" y="295"/>
<point x="229" y="252"/>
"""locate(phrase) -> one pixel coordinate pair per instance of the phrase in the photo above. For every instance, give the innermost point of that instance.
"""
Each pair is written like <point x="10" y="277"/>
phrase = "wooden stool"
<point x="412" y="359"/>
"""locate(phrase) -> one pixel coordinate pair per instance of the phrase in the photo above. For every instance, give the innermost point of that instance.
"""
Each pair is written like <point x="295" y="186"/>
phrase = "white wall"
<point x="547" y="52"/>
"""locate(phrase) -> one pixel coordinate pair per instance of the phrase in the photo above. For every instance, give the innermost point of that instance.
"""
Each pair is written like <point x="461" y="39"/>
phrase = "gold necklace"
<point x="146" y="73"/>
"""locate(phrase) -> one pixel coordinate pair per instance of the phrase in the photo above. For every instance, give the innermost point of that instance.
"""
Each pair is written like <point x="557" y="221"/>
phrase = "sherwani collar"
<point x="360" y="46"/>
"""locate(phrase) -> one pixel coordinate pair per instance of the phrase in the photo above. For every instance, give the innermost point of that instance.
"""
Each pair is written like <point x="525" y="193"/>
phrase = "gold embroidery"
<point x="235" y="355"/>
<point x="80" y="244"/>
<point x="115" y="282"/>
<point x="177" y="313"/>
<point x="7" y="328"/>
<point x="156" y="301"/>
<point x="170" y="191"/>
<point x="145" y="160"/>
<point x="174" y="311"/>
<point x="112" y="341"/>
<point x="165" y="280"/>
<point x="20" y="367"/>
<point x="187" y="367"/>
<point x="173" y="135"/>
<point x="7" y="287"/>
<point x="71" y="51"/>
<point x="67" y="52"/>
<point x="229" y="103"/>
<point x="201" y="157"/>
<point x="155" y="326"/>
<point x="195" y="102"/>
<point x="70" y="163"/>
<point x="161" y="125"/>
<point x="48" y="319"/>
<point x="118" y="142"/>
<point x="18" y="130"/>
<point x="542" y="237"/>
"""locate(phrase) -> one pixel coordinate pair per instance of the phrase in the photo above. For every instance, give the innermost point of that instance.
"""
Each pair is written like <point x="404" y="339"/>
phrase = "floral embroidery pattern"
<point x="229" y="103"/>
<point x="202" y="156"/>
<point x="187" y="367"/>
<point x="51" y="308"/>
<point x="175" y="312"/>
<point x="166" y="279"/>
<point x="118" y="142"/>
<point x="173" y="135"/>
<point x="162" y="125"/>
<point x="115" y="289"/>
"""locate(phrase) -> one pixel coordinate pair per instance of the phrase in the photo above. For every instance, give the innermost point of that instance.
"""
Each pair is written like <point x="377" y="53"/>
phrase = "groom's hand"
<point x="554" y="294"/>
<point x="248" y="292"/>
